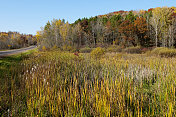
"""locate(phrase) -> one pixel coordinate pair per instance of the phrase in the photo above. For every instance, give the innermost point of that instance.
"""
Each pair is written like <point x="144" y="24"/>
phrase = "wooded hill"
<point x="145" y="28"/>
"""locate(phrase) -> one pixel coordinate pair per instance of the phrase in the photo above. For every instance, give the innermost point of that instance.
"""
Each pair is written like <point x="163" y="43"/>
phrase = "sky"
<point x="28" y="16"/>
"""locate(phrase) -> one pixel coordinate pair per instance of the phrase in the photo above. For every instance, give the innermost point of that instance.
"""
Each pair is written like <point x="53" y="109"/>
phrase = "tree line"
<point x="13" y="40"/>
<point x="145" y="28"/>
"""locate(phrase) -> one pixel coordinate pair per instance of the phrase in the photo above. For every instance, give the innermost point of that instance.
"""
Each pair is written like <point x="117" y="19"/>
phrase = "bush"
<point x="133" y="50"/>
<point x="114" y="49"/>
<point x="43" y="48"/>
<point x="168" y="53"/>
<point x="85" y="50"/>
<point x="156" y="51"/>
<point x="97" y="52"/>
<point x="164" y="52"/>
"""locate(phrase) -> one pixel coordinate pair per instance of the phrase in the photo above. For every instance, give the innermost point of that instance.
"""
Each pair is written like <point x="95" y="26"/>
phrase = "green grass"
<point x="8" y="61"/>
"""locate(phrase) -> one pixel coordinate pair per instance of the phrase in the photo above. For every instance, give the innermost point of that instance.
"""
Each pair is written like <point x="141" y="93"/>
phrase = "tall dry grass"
<point x="62" y="84"/>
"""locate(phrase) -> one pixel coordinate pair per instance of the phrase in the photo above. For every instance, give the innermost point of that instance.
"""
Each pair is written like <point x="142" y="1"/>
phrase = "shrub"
<point x="168" y="53"/>
<point x="85" y="50"/>
<point x="114" y="49"/>
<point x="97" y="52"/>
<point x="133" y="50"/>
<point x="164" y="52"/>
<point x="44" y="48"/>
<point x="156" y="51"/>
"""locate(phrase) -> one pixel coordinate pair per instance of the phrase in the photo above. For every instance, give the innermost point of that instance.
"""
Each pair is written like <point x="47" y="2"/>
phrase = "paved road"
<point x="16" y="51"/>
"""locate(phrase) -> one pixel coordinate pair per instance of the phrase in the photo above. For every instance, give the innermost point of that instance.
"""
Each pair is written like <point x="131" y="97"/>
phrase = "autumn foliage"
<point x="121" y="28"/>
<point x="12" y="40"/>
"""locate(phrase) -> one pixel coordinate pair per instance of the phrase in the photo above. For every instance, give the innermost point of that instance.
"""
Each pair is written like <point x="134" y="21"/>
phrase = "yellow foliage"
<point x="97" y="52"/>
<point x="142" y="11"/>
<point x="58" y="23"/>
<point x="44" y="48"/>
<point x="38" y="35"/>
<point x="64" y="30"/>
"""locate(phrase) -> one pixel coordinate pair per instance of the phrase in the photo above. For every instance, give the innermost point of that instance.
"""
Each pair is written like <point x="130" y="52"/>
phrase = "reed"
<point x="62" y="84"/>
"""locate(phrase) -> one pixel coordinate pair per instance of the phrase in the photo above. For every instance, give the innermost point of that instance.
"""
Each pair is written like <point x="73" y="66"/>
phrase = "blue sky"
<point x="27" y="16"/>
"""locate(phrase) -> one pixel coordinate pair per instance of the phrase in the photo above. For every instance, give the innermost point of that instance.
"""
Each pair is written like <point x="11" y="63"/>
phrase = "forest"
<point x="155" y="27"/>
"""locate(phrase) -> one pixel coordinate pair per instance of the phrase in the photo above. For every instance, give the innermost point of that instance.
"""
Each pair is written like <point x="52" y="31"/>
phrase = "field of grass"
<point x="8" y="66"/>
<point x="59" y="83"/>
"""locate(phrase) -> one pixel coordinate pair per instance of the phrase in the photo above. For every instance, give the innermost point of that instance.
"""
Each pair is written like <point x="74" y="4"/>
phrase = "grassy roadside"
<point x="8" y="61"/>
<point x="7" y="65"/>
<point x="4" y="50"/>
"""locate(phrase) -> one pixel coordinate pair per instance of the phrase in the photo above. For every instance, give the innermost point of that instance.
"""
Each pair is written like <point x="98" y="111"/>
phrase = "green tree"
<point x="131" y="17"/>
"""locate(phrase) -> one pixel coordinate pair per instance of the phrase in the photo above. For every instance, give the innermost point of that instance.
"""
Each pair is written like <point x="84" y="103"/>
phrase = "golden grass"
<point x="62" y="84"/>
